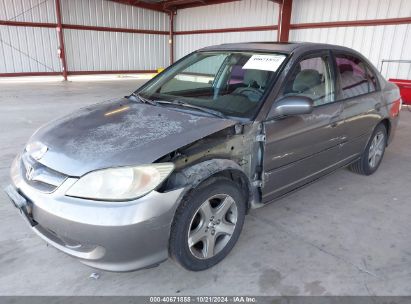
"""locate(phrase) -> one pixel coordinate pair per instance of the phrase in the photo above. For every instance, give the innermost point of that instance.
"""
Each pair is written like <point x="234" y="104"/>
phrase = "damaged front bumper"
<point x="113" y="236"/>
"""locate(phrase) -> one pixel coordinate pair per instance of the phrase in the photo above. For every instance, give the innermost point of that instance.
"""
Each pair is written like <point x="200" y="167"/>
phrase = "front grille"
<point x="39" y="176"/>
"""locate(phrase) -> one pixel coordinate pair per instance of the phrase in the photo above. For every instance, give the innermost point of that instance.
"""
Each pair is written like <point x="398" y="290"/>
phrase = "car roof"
<point x="269" y="46"/>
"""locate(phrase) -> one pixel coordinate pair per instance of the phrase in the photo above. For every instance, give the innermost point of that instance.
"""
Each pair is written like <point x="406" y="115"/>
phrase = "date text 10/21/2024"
<point x="203" y="299"/>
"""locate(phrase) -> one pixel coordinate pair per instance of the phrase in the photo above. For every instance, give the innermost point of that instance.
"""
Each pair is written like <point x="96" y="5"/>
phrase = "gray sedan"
<point x="172" y="169"/>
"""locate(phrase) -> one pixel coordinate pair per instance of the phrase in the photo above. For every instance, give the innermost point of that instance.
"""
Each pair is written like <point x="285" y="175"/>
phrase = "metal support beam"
<point x="284" y="20"/>
<point x="369" y="22"/>
<point x="27" y="24"/>
<point x="111" y="29"/>
<point x="62" y="51"/>
<point x="230" y="30"/>
<point x="171" y="36"/>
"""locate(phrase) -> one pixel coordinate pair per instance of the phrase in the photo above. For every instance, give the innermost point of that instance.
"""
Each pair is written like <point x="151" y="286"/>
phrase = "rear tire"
<point x="373" y="154"/>
<point x="207" y="224"/>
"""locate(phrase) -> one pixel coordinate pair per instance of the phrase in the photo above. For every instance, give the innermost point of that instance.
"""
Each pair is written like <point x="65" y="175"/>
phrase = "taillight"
<point x="395" y="108"/>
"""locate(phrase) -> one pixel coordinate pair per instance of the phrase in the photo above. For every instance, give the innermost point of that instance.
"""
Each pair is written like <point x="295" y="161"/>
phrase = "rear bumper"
<point x="110" y="236"/>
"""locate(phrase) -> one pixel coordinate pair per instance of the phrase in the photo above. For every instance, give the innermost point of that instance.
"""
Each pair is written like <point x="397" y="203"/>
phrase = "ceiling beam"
<point x="176" y="3"/>
<point x="141" y="4"/>
<point x="168" y="5"/>
<point x="203" y="3"/>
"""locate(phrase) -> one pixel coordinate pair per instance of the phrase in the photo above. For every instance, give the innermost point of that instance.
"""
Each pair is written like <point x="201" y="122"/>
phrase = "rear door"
<point x="359" y="91"/>
<point x="299" y="149"/>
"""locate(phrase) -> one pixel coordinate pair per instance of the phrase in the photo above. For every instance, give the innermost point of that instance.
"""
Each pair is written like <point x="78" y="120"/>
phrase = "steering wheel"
<point x="248" y="91"/>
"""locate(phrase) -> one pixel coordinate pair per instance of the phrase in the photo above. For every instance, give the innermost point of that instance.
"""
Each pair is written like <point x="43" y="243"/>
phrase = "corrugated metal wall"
<point x="105" y="51"/>
<point x="31" y="49"/>
<point x="28" y="10"/>
<point x="34" y="49"/>
<point x="233" y="14"/>
<point x="375" y="42"/>
<point x="306" y="11"/>
<point x="110" y="51"/>
<point x="28" y="49"/>
<point x="24" y="49"/>
<point x="185" y="44"/>
<point x="245" y="13"/>
<point x="102" y="51"/>
<point x="112" y="14"/>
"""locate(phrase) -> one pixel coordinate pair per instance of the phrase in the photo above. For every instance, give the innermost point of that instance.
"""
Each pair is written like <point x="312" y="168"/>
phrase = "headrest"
<point x="258" y="76"/>
<point x="345" y="67"/>
<point x="306" y="79"/>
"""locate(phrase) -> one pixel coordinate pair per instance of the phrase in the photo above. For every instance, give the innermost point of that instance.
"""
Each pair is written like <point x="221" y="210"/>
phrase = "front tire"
<point x="372" y="156"/>
<point x="207" y="224"/>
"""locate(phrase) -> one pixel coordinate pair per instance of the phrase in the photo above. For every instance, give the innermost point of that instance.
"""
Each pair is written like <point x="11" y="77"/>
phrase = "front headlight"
<point x="121" y="184"/>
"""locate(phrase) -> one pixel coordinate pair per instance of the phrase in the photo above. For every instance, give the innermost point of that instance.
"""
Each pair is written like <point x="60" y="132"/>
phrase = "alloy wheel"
<point x="376" y="149"/>
<point x="212" y="226"/>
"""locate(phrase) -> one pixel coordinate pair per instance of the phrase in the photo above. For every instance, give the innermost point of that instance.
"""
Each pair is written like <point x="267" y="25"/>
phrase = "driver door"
<point x="301" y="148"/>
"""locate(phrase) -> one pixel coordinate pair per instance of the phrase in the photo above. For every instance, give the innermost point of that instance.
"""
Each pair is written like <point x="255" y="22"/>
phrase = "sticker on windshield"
<point x="264" y="62"/>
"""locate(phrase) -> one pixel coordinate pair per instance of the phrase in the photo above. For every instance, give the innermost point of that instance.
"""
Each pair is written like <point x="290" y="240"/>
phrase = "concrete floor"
<point x="344" y="235"/>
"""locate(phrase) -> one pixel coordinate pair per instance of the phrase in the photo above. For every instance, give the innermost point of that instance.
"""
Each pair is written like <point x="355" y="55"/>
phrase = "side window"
<point x="311" y="77"/>
<point x="355" y="78"/>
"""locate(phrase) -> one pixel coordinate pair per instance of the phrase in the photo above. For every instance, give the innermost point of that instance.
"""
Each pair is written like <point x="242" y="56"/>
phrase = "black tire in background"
<point x="364" y="164"/>
<point x="190" y="220"/>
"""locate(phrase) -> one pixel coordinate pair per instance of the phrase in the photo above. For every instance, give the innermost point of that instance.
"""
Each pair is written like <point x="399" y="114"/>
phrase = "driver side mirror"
<point x="291" y="105"/>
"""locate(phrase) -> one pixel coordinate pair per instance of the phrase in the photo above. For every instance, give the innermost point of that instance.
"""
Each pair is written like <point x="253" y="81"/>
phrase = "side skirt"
<point x="307" y="184"/>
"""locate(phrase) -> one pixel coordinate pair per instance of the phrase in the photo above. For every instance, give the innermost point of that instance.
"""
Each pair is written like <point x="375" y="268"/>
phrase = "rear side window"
<point x="355" y="77"/>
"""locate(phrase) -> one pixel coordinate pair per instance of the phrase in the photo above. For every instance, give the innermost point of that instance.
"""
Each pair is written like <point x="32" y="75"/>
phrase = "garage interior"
<point x="344" y="235"/>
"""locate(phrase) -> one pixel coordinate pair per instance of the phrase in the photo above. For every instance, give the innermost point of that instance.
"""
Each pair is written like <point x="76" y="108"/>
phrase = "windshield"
<point x="232" y="83"/>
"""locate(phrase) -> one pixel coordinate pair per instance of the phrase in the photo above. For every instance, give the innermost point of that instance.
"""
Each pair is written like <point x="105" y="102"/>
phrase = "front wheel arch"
<point x="193" y="176"/>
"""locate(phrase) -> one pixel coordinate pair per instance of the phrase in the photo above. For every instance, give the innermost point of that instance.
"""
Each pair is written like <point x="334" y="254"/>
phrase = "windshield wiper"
<point x="143" y="99"/>
<point x="187" y="105"/>
<point x="178" y="103"/>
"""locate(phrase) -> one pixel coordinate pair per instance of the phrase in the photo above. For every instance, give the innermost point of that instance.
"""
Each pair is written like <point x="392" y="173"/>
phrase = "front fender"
<point x="197" y="173"/>
<point x="190" y="177"/>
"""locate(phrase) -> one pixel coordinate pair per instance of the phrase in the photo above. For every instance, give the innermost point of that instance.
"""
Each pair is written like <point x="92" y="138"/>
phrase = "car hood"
<point x="120" y="133"/>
